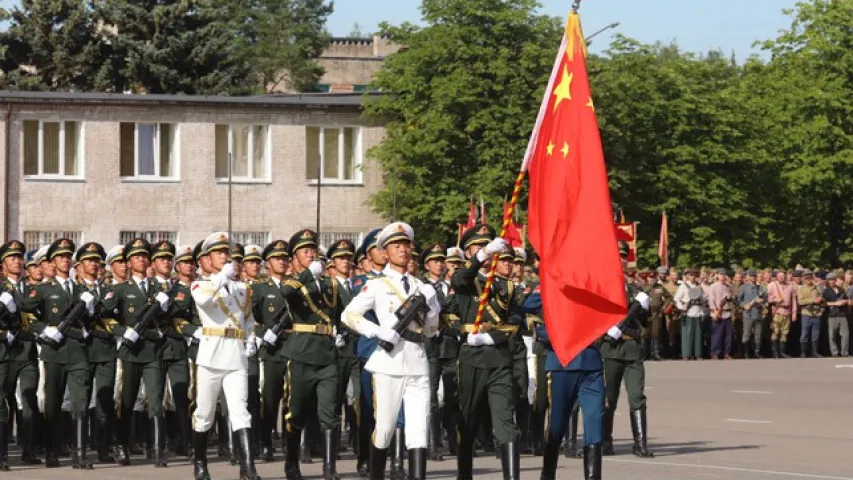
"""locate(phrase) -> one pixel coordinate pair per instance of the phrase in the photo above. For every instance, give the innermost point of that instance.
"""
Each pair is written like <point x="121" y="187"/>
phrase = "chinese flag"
<point x="663" y="242"/>
<point x="570" y="214"/>
<point x="472" y="215"/>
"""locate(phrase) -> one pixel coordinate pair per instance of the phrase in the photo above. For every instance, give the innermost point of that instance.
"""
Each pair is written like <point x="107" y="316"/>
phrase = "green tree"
<point x="52" y="45"/>
<point x="466" y="92"/>
<point x="173" y="46"/>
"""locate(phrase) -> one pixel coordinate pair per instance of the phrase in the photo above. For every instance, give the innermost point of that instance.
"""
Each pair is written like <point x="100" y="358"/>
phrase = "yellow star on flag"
<point x="550" y="148"/>
<point x="563" y="90"/>
<point x="565" y="149"/>
<point x="590" y="104"/>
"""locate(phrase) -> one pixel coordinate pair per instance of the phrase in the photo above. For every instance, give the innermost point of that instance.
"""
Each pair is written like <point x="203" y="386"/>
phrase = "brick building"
<point x="101" y="167"/>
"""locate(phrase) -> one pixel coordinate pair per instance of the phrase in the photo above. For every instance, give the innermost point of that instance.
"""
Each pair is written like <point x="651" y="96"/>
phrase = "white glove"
<point x="643" y="298"/>
<point x="227" y="271"/>
<point x="495" y="246"/>
<point x="197" y="334"/>
<point x="339" y="341"/>
<point x="160" y="333"/>
<point x="52" y="333"/>
<point x="316" y="269"/>
<point x="614" y="333"/>
<point x="251" y="347"/>
<point x="10" y="339"/>
<point x="85" y="333"/>
<point x="258" y="342"/>
<point x="9" y="301"/>
<point x="270" y="337"/>
<point x="388" y="335"/>
<point x="480" y="339"/>
<point x="131" y="335"/>
<point x="163" y="299"/>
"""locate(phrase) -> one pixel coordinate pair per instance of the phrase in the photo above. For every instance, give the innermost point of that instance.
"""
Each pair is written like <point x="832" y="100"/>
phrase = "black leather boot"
<point x="522" y="419"/>
<point x="266" y="444"/>
<point x="233" y="447"/>
<point x="28" y="448"/>
<point x="465" y="458"/>
<point x="639" y="429"/>
<point x="306" y="451"/>
<point x="330" y="455"/>
<point x="434" y="438"/>
<point x="4" y="447"/>
<point x="511" y="461"/>
<point x="378" y="458"/>
<point x="783" y="349"/>
<point x="417" y="464"/>
<point x="293" y="444"/>
<point x="549" y="461"/>
<point x="224" y="436"/>
<point x="774" y="346"/>
<point x="364" y="446"/>
<point x="200" y="456"/>
<point x="607" y="444"/>
<point x="592" y="462"/>
<point x="815" y="353"/>
<point x="79" y="459"/>
<point x="398" y="464"/>
<point x="51" y="455"/>
<point x="159" y="436"/>
<point x="104" y="441"/>
<point x="572" y="450"/>
<point x="243" y="446"/>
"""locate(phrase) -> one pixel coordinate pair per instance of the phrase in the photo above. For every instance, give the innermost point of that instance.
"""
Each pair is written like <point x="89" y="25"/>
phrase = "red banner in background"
<point x="627" y="232"/>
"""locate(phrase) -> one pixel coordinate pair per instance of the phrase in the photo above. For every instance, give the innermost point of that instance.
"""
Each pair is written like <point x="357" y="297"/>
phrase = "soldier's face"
<point x="305" y="256"/>
<point x="119" y="269"/>
<point x="399" y="253"/>
<point x="35" y="274"/>
<point x="435" y="267"/>
<point x="451" y="268"/>
<point x="163" y="266"/>
<point x="238" y="268"/>
<point x="218" y="259"/>
<point x="204" y="263"/>
<point x="139" y="264"/>
<point x="366" y="264"/>
<point x="378" y="258"/>
<point x="276" y="265"/>
<point x="90" y="267"/>
<point x="62" y="263"/>
<point x="342" y="265"/>
<point x="13" y="265"/>
<point x="185" y="268"/>
<point x="504" y="268"/>
<point x="252" y="268"/>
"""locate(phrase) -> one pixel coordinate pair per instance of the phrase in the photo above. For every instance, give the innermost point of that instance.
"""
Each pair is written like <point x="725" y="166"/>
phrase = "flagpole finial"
<point x="576" y="5"/>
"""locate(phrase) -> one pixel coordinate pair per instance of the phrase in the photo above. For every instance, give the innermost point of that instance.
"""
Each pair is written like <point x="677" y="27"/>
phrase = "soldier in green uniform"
<point x="101" y="351"/>
<point x="450" y="331"/>
<point x="9" y="309"/>
<point x="202" y="261"/>
<point x="432" y="260"/>
<point x="659" y="300"/>
<point x="623" y="358"/>
<point x="22" y="353"/>
<point x="486" y="356"/>
<point x="182" y="309"/>
<point x="250" y="268"/>
<point x="64" y="353"/>
<point x="312" y="371"/>
<point x="341" y="254"/>
<point x="267" y="303"/>
<point x="140" y="351"/>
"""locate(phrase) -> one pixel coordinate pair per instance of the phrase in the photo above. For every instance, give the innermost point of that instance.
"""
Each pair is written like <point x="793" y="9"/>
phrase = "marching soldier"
<point x="450" y="332"/>
<point x="659" y="300"/>
<point x="432" y="260"/>
<point x="224" y="307"/>
<point x="485" y="359"/>
<point x="268" y="303"/>
<point x="623" y="358"/>
<point x="312" y="374"/>
<point x="250" y="271"/>
<point x="34" y="275"/>
<point x="140" y="349"/>
<point x="22" y="353"/>
<point x="48" y="269"/>
<point x="401" y="375"/>
<point x="8" y="309"/>
<point x="64" y="355"/>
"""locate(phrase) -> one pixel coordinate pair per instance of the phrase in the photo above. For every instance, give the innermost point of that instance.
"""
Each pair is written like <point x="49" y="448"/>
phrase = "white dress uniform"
<point x="225" y="310"/>
<point x="400" y="376"/>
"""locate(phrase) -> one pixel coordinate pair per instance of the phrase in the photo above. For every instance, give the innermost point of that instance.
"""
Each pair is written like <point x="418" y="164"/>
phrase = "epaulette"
<point x="293" y="283"/>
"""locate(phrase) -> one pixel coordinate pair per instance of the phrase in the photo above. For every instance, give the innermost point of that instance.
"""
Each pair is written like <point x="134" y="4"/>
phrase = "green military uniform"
<point x="450" y="329"/>
<point x="23" y="362"/>
<point x="268" y="302"/>
<point x="312" y="371"/>
<point x="623" y="358"/>
<point x="65" y="356"/>
<point x="254" y="402"/>
<point x="141" y="359"/>
<point x="102" y="359"/>
<point x="11" y="323"/>
<point x="486" y="371"/>
<point x="659" y="299"/>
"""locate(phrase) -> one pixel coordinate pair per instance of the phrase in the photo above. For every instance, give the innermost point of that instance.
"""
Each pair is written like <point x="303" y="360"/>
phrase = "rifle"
<point x="150" y="313"/>
<point x="410" y="311"/>
<point x="71" y="315"/>
<point x="282" y="322"/>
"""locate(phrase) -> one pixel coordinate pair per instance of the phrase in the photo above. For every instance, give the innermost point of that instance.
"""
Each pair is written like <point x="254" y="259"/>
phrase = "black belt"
<point x="411" y="336"/>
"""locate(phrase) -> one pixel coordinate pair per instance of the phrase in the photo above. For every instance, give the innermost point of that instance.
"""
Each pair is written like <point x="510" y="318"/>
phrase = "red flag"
<point x="472" y="215"/>
<point x="570" y="214"/>
<point x="513" y="233"/>
<point x="663" y="242"/>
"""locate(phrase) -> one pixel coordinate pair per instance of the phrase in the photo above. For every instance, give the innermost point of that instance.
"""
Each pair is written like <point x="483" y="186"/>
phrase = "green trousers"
<point x="312" y="388"/>
<point x="492" y="388"/>
<point x="634" y="374"/>
<point x="28" y="374"/>
<point x="56" y="377"/>
<point x="271" y="395"/>
<point x="102" y="376"/>
<point x="348" y="370"/>
<point x="132" y="373"/>
<point x="4" y="405"/>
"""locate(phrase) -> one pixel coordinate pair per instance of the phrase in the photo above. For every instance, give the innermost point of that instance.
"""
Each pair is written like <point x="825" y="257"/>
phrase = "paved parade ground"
<point x="744" y="419"/>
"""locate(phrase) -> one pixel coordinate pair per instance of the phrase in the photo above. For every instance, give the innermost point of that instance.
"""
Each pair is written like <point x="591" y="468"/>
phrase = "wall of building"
<point x="104" y="204"/>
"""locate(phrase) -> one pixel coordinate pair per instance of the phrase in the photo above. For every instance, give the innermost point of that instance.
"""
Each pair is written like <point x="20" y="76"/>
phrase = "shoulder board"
<point x="293" y="283"/>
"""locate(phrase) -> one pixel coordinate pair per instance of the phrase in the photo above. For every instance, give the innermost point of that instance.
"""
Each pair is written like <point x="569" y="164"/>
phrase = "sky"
<point x="696" y="25"/>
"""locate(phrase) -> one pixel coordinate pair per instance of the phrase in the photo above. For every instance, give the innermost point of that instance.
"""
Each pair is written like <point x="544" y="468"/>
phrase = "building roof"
<point x="318" y="100"/>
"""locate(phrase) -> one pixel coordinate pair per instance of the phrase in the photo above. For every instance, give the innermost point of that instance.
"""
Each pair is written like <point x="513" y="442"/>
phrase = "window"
<point x="52" y="149"/>
<point x="34" y="240"/>
<point x="328" y="238"/>
<point x="248" y="148"/>
<point x="250" y="238"/>
<point x="152" y="237"/>
<point x="149" y="151"/>
<point x="338" y="150"/>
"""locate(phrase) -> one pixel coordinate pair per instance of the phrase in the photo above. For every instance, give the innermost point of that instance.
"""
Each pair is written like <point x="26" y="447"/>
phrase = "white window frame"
<point x="151" y="236"/>
<point x="251" y="165"/>
<point x="61" y="176"/>
<point x="46" y="237"/>
<point x="328" y="238"/>
<point x="176" y="155"/>
<point x="357" y="160"/>
<point x="240" y="237"/>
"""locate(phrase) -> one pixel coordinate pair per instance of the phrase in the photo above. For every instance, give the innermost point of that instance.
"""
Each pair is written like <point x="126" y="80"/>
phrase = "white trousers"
<point x="210" y="382"/>
<point x="412" y="392"/>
